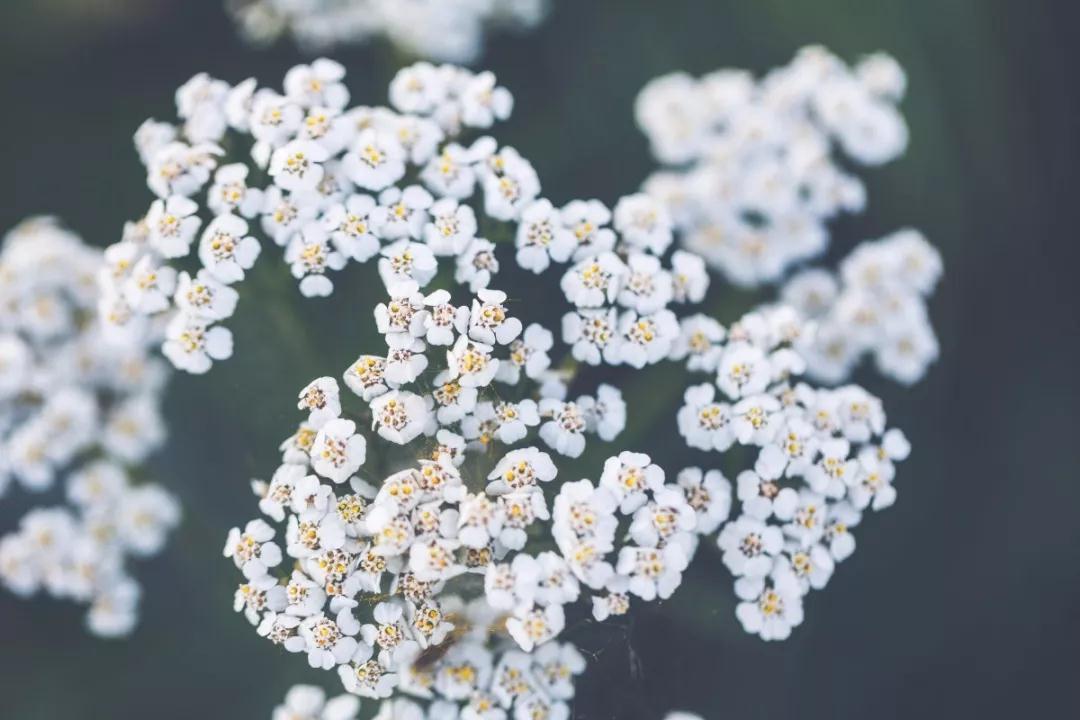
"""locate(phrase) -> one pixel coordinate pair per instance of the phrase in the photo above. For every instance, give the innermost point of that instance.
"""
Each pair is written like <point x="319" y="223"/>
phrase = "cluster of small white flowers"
<point x="446" y="515"/>
<point x="753" y="180"/>
<point x="321" y="158"/>
<point x="474" y="679"/>
<point x="444" y="30"/>
<point x="73" y="405"/>
<point x="309" y="702"/>
<point x="824" y="458"/>
<point x="876" y="306"/>
<point x="425" y="526"/>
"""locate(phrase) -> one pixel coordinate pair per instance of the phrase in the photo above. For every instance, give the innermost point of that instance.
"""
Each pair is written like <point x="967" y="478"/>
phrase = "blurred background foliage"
<point x="962" y="601"/>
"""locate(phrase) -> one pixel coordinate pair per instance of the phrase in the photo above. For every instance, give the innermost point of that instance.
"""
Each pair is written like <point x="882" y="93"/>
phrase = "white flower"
<point x="841" y="543"/>
<point x="252" y="550"/>
<point x="204" y="297"/>
<point x="749" y="546"/>
<point x="477" y="264"/>
<point x="744" y="370"/>
<point x="314" y="534"/>
<point x="806" y="521"/>
<point x="326" y="642"/>
<point x="587" y="219"/>
<point x="595" y="281"/>
<point x="756" y="420"/>
<point x="405" y="359"/>
<point x="338" y="451"/>
<point x="593" y="335"/>
<point x="471" y="363"/>
<point x="366" y="377"/>
<point x="318" y="84"/>
<point x="375" y="161"/>
<point x="643" y="223"/>
<point x="653" y="572"/>
<point x="454" y="401"/>
<point x="226" y="250"/>
<point x="763" y="497"/>
<point x="690" y="280"/>
<point x="433" y="560"/>
<point x="605" y="414"/>
<point x="482" y="102"/>
<point x="708" y="494"/>
<point x="451" y="228"/>
<point x="699" y="342"/>
<point x="403" y="213"/>
<point x="810" y="567"/>
<point x="192" y="345"/>
<point x="664" y="520"/>
<point x="401" y="416"/>
<point x="283" y="215"/>
<point x="647" y="287"/>
<point x="259" y="594"/>
<point x="646" y="339"/>
<point x="310" y="256"/>
<point x="321" y="398"/>
<point x="871" y="486"/>
<point x="404" y="261"/>
<point x="536" y="626"/>
<point x="509" y="586"/>
<point x="453" y="173"/>
<point x="564" y="429"/>
<point x="479" y="521"/>
<point x="296" y="166"/>
<point x="353" y="227"/>
<point x="488" y="320"/>
<point x="508" y="422"/>
<point x="773" y="610"/>
<point x="529" y="353"/>
<point x="834" y="470"/>
<point x="308" y="702"/>
<point x="230" y="192"/>
<point x="173" y="224"/>
<point x="149" y="287"/>
<point x="542" y="238"/>
<point x="510" y="185"/>
<point x="629" y="478"/>
<point x="519" y="510"/>
<point x="520" y="470"/>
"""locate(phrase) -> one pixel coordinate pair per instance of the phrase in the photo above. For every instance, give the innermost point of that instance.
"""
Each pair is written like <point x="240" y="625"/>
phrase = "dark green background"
<point x="962" y="601"/>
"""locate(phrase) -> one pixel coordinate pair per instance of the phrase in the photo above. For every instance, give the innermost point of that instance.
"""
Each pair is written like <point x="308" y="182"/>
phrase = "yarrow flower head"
<point x="449" y="30"/>
<point x="876" y="306"/>
<point x="753" y="179"/>
<point x="436" y="499"/>
<point x="345" y="185"/>
<point x="78" y="405"/>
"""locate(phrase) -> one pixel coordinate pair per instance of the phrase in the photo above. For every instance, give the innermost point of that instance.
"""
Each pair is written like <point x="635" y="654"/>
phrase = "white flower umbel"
<point x="337" y="192"/>
<point x="469" y="425"/>
<point x="449" y="30"/>
<point x="82" y="404"/>
<point x="877" y="306"/>
<point x="757" y="168"/>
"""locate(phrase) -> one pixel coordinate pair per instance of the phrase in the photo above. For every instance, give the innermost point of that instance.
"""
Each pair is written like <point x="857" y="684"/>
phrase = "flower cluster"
<point x="445" y="30"/>
<point x="322" y="160"/>
<point x="460" y="502"/>
<point x="74" y="405"/>
<point x="752" y="179"/>
<point x="876" y="306"/>
<point x="476" y="678"/>
<point x="824" y="457"/>
<point x="440" y="525"/>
